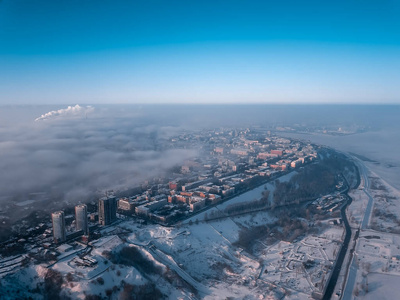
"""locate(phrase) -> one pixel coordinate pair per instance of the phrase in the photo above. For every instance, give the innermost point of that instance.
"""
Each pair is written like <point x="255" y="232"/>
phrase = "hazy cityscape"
<point x="199" y="150"/>
<point x="265" y="210"/>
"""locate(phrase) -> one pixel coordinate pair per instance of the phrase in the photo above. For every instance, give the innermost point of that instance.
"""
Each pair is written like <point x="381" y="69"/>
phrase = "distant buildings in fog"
<point x="236" y="161"/>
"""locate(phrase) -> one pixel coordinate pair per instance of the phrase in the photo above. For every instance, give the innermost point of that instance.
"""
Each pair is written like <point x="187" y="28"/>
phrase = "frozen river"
<point x="381" y="147"/>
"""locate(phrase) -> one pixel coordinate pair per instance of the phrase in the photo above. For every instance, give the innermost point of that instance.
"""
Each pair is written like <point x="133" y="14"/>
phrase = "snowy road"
<point x="368" y="210"/>
<point x="351" y="278"/>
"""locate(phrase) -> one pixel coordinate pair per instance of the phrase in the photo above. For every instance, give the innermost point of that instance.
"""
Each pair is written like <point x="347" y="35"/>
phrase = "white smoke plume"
<point x="69" y="112"/>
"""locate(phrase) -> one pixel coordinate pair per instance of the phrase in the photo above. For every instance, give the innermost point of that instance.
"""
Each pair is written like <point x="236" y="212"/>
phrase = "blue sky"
<point x="71" y="52"/>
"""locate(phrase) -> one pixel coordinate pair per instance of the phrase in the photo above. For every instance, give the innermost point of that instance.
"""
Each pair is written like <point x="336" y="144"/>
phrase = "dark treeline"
<point x="291" y="223"/>
<point x="316" y="179"/>
<point x="250" y="205"/>
<point x="131" y="256"/>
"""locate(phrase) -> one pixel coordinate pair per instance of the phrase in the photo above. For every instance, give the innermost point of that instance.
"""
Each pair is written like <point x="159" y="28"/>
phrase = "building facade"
<point x="81" y="218"/>
<point x="107" y="210"/>
<point x="58" y="220"/>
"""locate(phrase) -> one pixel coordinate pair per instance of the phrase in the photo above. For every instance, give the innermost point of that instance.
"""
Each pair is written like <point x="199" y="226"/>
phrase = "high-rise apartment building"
<point x="107" y="210"/>
<point x="81" y="218"/>
<point x="58" y="220"/>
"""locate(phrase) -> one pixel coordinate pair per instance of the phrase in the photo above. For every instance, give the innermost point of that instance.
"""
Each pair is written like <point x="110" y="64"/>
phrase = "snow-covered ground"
<point x="206" y="252"/>
<point x="386" y="211"/>
<point x="355" y="212"/>
<point x="377" y="252"/>
<point x="380" y="286"/>
<point x="254" y="194"/>
<point x="203" y="255"/>
<point x="380" y="154"/>
<point x="377" y="258"/>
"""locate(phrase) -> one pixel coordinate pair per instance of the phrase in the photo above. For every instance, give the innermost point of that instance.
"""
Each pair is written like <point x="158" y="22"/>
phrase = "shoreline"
<point x="366" y="148"/>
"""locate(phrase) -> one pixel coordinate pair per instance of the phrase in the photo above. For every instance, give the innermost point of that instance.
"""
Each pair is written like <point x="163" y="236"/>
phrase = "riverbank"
<point x="378" y="150"/>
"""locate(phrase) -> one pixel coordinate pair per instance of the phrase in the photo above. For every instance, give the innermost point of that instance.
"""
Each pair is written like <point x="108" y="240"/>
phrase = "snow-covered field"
<point x="356" y="210"/>
<point x="206" y="252"/>
<point x="203" y="255"/>
<point x="254" y="194"/>
<point x="380" y="286"/>
<point x="386" y="211"/>
<point x="378" y="262"/>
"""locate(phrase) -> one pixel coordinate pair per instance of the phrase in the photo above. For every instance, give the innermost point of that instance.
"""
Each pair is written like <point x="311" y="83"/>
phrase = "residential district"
<point x="232" y="179"/>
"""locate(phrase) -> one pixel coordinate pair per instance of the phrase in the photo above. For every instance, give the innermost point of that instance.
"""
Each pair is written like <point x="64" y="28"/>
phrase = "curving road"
<point x="342" y="253"/>
<point x="352" y="275"/>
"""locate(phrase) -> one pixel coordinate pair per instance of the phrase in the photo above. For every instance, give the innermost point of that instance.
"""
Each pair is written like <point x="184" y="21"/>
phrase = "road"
<point x="367" y="213"/>
<point x="352" y="274"/>
<point x="342" y="253"/>
<point x="351" y="280"/>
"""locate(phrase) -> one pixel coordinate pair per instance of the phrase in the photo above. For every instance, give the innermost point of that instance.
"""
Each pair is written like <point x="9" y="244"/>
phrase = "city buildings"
<point x="107" y="210"/>
<point x="126" y="204"/>
<point x="228" y="165"/>
<point x="58" y="220"/>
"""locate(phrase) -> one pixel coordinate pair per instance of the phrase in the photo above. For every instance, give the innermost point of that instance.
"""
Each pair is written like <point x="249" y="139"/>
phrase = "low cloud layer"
<point x="72" y="153"/>
<point x="73" y="158"/>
